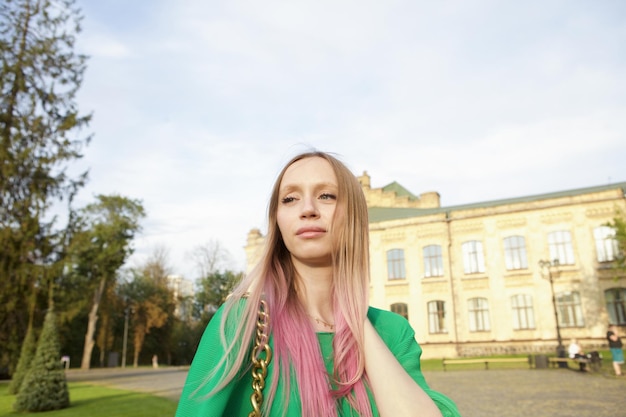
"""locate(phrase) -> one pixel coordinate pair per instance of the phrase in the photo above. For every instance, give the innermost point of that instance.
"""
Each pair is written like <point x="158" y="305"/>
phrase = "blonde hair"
<point x="294" y="339"/>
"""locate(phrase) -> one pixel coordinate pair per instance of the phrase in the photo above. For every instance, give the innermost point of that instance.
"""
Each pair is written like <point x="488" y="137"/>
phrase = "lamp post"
<point x="548" y="265"/>
<point x="126" y="313"/>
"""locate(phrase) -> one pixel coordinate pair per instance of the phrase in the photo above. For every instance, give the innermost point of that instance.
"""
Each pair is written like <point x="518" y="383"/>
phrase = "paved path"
<point x="478" y="393"/>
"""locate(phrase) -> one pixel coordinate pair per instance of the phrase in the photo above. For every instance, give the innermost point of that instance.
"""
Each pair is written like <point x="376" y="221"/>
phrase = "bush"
<point x="44" y="387"/>
<point x="23" y="365"/>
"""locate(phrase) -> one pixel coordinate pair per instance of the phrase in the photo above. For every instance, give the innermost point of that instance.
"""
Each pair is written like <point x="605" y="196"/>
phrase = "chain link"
<point x="261" y="358"/>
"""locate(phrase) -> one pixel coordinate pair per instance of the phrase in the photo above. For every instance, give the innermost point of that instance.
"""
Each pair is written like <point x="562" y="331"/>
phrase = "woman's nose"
<point x="309" y="207"/>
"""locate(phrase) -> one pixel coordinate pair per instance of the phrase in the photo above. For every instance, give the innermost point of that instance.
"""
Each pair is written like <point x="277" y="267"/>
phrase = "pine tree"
<point x="45" y="387"/>
<point x="39" y="136"/>
<point x="26" y="357"/>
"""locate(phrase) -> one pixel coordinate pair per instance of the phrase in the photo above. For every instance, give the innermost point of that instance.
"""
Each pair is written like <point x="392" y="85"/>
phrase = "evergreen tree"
<point x="26" y="357"/>
<point x="39" y="136"/>
<point x="44" y="387"/>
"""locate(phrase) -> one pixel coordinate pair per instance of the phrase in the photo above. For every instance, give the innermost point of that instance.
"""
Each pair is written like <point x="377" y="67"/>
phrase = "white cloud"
<point x="197" y="106"/>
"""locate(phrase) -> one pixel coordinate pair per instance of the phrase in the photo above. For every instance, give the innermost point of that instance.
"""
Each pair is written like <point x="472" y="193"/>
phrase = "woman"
<point x="330" y="354"/>
<point x="615" y="345"/>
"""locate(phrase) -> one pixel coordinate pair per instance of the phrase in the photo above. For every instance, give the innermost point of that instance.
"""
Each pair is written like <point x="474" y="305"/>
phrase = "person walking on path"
<point x="617" y="353"/>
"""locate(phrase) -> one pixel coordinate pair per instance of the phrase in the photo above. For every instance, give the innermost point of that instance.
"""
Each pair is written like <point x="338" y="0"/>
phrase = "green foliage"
<point x="29" y="347"/>
<point x="40" y="75"/>
<point x="100" y="246"/>
<point x="44" y="387"/>
<point x="212" y="292"/>
<point x="150" y="298"/>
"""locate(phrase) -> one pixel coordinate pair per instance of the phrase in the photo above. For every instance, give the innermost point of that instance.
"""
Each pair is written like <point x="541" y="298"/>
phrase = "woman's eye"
<point x="328" y="196"/>
<point x="287" y="200"/>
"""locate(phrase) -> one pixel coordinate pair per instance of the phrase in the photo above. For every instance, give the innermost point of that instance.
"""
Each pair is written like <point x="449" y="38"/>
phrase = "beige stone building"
<point x="476" y="279"/>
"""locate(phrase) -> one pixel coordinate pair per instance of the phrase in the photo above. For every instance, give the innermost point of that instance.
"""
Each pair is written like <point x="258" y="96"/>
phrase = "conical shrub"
<point x="23" y="364"/>
<point x="45" y="387"/>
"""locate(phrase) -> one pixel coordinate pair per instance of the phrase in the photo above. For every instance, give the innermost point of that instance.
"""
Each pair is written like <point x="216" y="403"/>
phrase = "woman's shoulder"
<point x="386" y="321"/>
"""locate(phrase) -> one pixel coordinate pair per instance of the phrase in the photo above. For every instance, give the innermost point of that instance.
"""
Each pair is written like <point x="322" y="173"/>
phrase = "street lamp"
<point x="548" y="265"/>
<point x="126" y="314"/>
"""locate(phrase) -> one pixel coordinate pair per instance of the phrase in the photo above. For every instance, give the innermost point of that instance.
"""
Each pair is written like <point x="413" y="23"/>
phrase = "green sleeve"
<point x="194" y="400"/>
<point x="399" y="337"/>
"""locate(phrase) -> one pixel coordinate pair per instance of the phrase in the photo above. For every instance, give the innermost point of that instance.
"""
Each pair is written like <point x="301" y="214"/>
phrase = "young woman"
<point x="329" y="354"/>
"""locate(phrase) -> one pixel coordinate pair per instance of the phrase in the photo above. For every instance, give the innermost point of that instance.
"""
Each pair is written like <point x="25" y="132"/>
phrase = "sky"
<point x="197" y="104"/>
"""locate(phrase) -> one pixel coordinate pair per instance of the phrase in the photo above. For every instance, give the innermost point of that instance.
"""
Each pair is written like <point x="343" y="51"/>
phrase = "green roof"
<point x="399" y="190"/>
<point x="381" y="214"/>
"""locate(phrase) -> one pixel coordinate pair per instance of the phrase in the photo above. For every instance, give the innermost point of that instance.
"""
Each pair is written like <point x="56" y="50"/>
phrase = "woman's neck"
<point x="315" y="293"/>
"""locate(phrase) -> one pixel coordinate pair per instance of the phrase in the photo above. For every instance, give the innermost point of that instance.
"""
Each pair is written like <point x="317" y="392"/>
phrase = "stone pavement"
<point x="478" y="393"/>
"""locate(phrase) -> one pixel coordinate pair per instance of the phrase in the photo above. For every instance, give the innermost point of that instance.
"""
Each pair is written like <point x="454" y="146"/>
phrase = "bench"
<point x="556" y="361"/>
<point x="486" y="361"/>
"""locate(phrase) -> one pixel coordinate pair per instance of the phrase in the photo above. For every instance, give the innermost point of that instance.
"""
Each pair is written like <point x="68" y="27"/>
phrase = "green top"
<point x="234" y="399"/>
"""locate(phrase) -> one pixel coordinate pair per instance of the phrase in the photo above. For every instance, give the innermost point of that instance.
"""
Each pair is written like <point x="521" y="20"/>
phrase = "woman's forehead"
<point x="313" y="170"/>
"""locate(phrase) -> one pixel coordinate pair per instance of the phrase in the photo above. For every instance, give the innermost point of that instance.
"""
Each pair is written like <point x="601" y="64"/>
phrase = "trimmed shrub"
<point x="26" y="357"/>
<point x="45" y="387"/>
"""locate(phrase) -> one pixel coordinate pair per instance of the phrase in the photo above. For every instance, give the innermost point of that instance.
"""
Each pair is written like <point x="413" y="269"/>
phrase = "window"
<point x="433" y="261"/>
<point x="395" y="264"/>
<point x="401" y="309"/>
<point x="560" y="243"/>
<point x="473" y="259"/>
<point x="569" y="309"/>
<point x="515" y="253"/>
<point x="615" y="299"/>
<point x="436" y="316"/>
<point x="523" y="316"/>
<point x="606" y="244"/>
<point x="478" y="315"/>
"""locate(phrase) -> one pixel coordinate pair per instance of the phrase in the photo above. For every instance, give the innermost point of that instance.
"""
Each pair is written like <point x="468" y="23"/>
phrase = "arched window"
<point x="478" y="309"/>
<point x="515" y="253"/>
<point x="401" y="309"/>
<point x="523" y="315"/>
<point x="395" y="264"/>
<point x="606" y="244"/>
<point x="473" y="258"/>
<point x="433" y="261"/>
<point x="437" y="316"/>
<point x="570" y="310"/>
<point x="561" y="248"/>
<point x="615" y="299"/>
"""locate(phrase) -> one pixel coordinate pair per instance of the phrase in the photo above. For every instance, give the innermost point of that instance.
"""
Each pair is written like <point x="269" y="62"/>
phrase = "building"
<point x="183" y="291"/>
<point x="479" y="279"/>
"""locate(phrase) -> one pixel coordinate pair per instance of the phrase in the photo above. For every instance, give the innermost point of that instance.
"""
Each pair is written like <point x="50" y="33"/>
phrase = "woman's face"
<point x="307" y="199"/>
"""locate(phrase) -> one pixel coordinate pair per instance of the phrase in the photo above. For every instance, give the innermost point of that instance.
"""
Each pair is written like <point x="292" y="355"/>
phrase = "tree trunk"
<point x="91" y="325"/>
<point x="140" y="335"/>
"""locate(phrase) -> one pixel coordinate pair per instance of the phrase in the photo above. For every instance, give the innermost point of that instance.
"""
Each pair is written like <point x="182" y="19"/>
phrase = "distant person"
<point x="617" y="353"/>
<point x="155" y="361"/>
<point x="575" y="352"/>
<point x="304" y="310"/>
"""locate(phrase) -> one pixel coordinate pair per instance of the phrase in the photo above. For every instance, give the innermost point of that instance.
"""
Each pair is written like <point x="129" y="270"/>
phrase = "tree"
<point x="27" y="354"/>
<point x="44" y="387"/>
<point x="40" y="126"/>
<point x="150" y="298"/>
<point x="209" y="257"/>
<point x="99" y="249"/>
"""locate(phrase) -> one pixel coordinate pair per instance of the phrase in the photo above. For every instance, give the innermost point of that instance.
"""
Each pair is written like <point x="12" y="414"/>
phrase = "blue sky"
<point x="198" y="104"/>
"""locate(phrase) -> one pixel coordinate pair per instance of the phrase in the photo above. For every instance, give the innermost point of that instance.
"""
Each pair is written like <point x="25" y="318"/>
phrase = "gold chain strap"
<point x="260" y="364"/>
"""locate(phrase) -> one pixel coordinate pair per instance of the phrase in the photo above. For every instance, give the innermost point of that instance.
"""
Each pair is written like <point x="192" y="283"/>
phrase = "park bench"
<point x="486" y="361"/>
<point x="593" y="362"/>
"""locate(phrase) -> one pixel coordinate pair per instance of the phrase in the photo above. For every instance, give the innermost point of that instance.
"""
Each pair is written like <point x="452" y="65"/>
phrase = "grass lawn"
<point x="436" y="364"/>
<point x="96" y="401"/>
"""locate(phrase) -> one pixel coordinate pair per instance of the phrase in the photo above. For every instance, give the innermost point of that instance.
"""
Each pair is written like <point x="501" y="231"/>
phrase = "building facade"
<point x="497" y="276"/>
